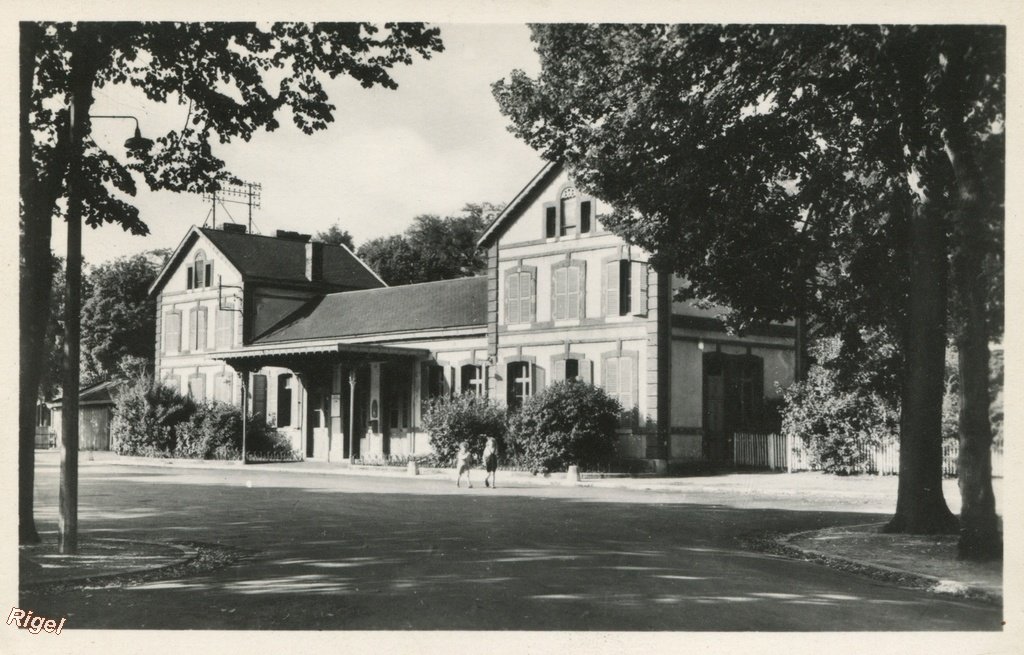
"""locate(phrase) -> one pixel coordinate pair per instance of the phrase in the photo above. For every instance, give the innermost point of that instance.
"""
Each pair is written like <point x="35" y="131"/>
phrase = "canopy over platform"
<point x="300" y="357"/>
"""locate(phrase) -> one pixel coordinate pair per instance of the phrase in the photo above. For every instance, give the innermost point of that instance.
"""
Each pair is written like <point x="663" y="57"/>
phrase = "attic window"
<point x="200" y="273"/>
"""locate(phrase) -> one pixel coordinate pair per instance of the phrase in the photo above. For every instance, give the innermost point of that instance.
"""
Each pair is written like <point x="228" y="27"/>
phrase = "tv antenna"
<point x="237" y="193"/>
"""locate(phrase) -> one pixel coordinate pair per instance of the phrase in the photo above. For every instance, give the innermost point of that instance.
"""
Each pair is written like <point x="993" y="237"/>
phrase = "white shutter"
<point x="558" y="371"/>
<point x="586" y="371"/>
<point x="638" y="290"/>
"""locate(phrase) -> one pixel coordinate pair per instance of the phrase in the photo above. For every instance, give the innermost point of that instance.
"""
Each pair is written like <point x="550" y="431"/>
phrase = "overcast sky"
<point x="432" y="145"/>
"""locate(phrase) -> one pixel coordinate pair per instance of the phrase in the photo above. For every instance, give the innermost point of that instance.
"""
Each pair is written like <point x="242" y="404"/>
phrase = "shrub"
<point x="466" y="417"/>
<point x="214" y="431"/>
<point x="567" y="423"/>
<point x="146" y="418"/>
<point x="837" y="426"/>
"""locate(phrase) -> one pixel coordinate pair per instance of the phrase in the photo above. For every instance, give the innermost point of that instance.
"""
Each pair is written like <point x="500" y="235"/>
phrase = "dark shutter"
<point x="259" y="395"/>
<point x="550" y="221"/>
<point x="188" y="282"/>
<point x="585" y="207"/>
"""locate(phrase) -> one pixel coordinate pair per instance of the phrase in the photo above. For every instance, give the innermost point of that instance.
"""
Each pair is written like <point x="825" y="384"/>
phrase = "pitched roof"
<point x="432" y="305"/>
<point x="93" y="394"/>
<point x="255" y="255"/>
<point x="514" y="209"/>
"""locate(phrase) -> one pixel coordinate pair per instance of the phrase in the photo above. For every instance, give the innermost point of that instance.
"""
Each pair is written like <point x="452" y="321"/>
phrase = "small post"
<point x="244" y="375"/>
<point x="572" y="476"/>
<point x="351" y="413"/>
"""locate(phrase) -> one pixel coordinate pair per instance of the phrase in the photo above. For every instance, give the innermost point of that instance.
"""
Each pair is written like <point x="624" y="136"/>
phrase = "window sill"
<point x="567" y="322"/>
<point x="518" y="326"/>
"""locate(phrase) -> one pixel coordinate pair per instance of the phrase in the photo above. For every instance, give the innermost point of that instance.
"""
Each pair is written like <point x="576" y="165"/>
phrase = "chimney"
<point x="234" y="228"/>
<point x="314" y="261"/>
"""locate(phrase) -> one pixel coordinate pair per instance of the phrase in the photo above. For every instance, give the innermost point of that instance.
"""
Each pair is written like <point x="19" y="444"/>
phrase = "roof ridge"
<point x="413" y="284"/>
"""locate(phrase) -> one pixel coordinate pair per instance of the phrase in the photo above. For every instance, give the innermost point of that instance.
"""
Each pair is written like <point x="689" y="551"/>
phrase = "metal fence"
<point x="776" y="452"/>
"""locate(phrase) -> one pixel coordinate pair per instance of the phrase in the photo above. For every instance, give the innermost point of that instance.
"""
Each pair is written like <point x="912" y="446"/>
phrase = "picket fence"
<point x="774" y="452"/>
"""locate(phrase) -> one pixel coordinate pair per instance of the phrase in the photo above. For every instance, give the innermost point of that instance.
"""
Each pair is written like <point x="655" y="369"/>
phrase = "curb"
<point x="783" y="545"/>
<point x="187" y="555"/>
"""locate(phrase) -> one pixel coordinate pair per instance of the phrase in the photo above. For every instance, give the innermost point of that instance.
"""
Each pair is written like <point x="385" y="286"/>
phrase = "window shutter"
<point x="527" y="295"/>
<point x="638" y="291"/>
<point x="424" y="383"/>
<point x="259" y="395"/>
<point x="510" y="383"/>
<point x="537" y="379"/>
<point x="188" y="282"/>
<point x="512" y="297"/>
<point x="611" y="377"/>
<point x="586" y="371"/>
<point x="449" y="382"/>
<point x="550" y="220"/>
<point x="203" y="334"/>
<point x="558" y="294"/>
<point x="610" y="297"/>
<point x="580" y="268"/>
<point x="585" y="210"/>
<point x="558" y="370"/>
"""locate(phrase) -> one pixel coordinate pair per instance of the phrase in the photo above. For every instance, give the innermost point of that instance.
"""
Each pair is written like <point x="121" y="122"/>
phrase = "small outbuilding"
<point x="95" y="414"/>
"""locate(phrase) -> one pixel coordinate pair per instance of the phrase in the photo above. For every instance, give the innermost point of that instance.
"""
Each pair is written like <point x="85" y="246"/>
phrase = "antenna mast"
<point x="241" y="193"/>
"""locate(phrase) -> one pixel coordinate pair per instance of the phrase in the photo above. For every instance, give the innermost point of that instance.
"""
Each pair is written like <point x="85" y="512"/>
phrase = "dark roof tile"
<point x="431" y="305"/>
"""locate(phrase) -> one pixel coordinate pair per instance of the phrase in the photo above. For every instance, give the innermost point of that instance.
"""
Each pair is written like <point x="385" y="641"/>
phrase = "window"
<point x="200" y="274"/>
<point x="520" y="382"/>
<point x="259" y="395"/>
<point x="571" y="367"/>
<point x="172" y="382"/>
<point x="172" y="332"/>
<point x="567" y="210"/>
<point x="198" y="337"/>
<point x="284" y="399"/>
<point x="586" y="210"/>
<point x="619" y="380"/>
<point x="222" y="387"/>
<point x="624" y="287"/>
<point x="396" y="390"/>
<point x="473" y="379"/>
<point x="550" y="220"/>
<point x="568" y="290"/>
<point x="521" y="295"/>
<point x="197" y="387"/>
<point x="432" y="381"/>
<point x="225" y="329"/>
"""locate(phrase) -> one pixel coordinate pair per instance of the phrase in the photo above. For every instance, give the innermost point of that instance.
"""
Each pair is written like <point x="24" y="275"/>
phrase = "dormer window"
<point x="200" y="273"/>
<point x="572" y="214"/>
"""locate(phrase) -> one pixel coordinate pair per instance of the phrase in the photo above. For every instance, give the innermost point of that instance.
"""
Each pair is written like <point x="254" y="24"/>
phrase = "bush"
<point x="567" y="423"/>
<point x="146" y="418"/>
<point x="466" y="417"/>
<point x="214" y="431"/>
<point x="837" y="426"/>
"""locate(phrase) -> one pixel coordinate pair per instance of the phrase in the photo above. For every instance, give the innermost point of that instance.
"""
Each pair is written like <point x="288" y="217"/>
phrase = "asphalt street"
<point x="365" y="553"/>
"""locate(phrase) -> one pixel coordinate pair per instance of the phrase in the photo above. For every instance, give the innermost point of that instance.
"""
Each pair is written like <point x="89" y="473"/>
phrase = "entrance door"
<point x="733" y="401"/>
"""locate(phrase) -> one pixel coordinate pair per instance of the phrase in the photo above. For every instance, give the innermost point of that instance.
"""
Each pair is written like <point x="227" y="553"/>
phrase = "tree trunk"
<point x="979" y="525"/>
<point x="34" y="290"/>
<point x="920" y="505"/>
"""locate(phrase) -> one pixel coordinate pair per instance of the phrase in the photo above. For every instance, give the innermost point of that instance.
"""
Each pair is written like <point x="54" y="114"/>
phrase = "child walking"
<point x="462" y="463"/>
<point x="490" y="462"/>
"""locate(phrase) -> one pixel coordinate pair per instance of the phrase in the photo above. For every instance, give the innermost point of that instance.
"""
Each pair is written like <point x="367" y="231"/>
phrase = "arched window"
<point x="200" y="273"/>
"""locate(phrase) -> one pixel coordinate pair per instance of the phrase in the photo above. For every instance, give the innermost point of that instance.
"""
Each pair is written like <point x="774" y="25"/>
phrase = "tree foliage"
<point x="336" y="236"/>
<point x="118" y="315"/>
<point x="233" y="78"/>
<point x="432" y="248"/>
<point x="831" y="172"/>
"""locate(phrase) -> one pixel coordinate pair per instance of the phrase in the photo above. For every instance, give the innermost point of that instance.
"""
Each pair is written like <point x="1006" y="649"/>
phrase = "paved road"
<point x="341" y="553"/>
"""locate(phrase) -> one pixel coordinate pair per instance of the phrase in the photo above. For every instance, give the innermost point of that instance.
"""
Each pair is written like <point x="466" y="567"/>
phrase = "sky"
<point x="431" y="146"/>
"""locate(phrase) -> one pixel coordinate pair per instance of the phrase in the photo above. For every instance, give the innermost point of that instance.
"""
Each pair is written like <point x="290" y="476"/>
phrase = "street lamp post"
<point x="67" y="520"/>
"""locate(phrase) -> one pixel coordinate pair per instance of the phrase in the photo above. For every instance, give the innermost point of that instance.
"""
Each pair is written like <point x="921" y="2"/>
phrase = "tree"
<point x="118" y="315"/>
<point x="828" y="172"/>
<point x="336" y="236"/>
<point x="221" y="71"/>
<point x="432" y="248"/>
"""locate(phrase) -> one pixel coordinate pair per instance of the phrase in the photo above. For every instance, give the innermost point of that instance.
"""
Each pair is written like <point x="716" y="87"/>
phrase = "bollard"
<point x="412" y="468"/>
<point x="572" y="476"/>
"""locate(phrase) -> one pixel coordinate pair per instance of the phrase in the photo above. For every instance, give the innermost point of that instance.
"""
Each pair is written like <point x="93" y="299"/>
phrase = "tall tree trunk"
<point x="33" y="289"/>
<point x="979" y="525"/>
<point x="920" y="505"/>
